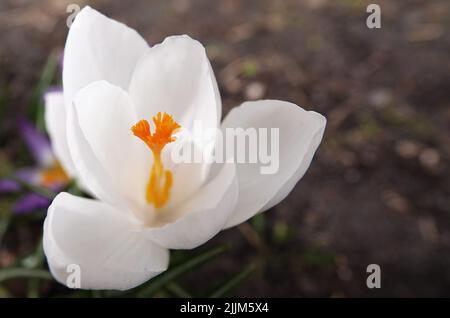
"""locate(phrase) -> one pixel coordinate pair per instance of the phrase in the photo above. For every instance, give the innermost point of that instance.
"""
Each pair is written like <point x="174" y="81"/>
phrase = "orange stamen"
<point x="157" y="191"/>
<point x="54" y="175"/>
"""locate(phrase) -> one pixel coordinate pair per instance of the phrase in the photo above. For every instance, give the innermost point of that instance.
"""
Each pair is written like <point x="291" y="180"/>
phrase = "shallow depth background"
<point x="378" y="190"/>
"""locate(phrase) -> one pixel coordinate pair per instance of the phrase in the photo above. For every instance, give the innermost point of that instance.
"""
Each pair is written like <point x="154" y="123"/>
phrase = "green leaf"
<point x="4" y="92"/>
<point x="177" y="271"/>
<point x="178" y="291"/>
<point x="233" y="282"/>
<point x="36" y="260"/>
<point x="78" y="293"/>
<point x="96" y="293"/>
<point x="47" y="76"/>
<point x="250" y="68"/>
<point x="316" y="257"/>
<point x="4" y="225"/>
<point x="74" y="189"/>
<point x="10" y="273"/>
<point x="33" y="288"/>
<point x="259" y="223"/>
<point x="280" y="232"/>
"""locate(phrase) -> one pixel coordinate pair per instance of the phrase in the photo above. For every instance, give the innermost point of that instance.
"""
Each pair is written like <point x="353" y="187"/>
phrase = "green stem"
<point x="36" y="260"/>
<point x="178" y="291"/>
<point x="10" y="273"/>
<point x="233" y="282"/>
<point x="47" y="76"/>
<point x="4" y="225"/>
<point x="177" y="271"/>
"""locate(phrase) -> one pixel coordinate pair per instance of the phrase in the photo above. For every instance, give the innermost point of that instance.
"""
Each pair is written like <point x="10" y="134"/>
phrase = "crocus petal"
<point x="176" y="77"/>
<point x="107" y="245"/>
<point x="99" y="48"/>
<point x="55" y="121"/>
<point x="90" y="170"/>
<point x="37" y="143"/>
<point x="8" y="186"/>
<point x="30" y="203"/>
<point x="202" y="217"/>
<point x="30" y="175"/>
<point x="300" y="133"/>
<point x="105" y="116"/>
<point x="188" y="176"/>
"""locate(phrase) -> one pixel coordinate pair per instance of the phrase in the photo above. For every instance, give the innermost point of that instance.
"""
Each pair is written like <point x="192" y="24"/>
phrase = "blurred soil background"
<point x="378" y="190"/>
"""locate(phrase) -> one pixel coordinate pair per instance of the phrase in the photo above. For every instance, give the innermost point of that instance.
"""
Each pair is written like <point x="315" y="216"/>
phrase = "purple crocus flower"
<point x="37" y="143"/>
<point x="7" y="186"/>
<point x="30" y="202"/>
<point x="46" y="173"/>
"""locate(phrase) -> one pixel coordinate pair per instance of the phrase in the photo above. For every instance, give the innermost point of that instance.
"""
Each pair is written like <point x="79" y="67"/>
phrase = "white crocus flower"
<point x="145" y="203"/>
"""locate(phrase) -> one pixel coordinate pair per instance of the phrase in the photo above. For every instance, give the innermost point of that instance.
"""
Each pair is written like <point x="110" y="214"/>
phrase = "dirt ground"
<point x="378" y="190"/>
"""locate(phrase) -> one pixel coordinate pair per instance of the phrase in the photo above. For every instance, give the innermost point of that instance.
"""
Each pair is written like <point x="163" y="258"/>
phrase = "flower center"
<point x="160" y="181"/>
<point x="55" y="175"/>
